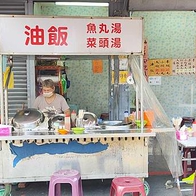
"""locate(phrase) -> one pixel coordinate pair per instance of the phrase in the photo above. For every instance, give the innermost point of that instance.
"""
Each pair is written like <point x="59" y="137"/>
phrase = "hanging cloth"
<point x="8" y="78"/>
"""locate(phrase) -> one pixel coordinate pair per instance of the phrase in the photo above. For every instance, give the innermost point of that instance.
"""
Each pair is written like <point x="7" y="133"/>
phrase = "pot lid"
<point x="29" y="115"/>
<point x="58" y="118"/>
<point x="56" y="121"/>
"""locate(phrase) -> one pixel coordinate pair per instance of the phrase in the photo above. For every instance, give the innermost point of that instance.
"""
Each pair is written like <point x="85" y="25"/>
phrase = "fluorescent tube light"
<point x="83" y="4"/>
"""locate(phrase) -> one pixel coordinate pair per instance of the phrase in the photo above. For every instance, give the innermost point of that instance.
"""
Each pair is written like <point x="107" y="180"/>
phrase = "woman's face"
<point x="48" y="91"/>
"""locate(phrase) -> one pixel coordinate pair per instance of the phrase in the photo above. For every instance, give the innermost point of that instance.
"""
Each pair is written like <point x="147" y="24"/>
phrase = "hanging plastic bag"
<point x="64" y="85"/>
<point x="68" y="82"/>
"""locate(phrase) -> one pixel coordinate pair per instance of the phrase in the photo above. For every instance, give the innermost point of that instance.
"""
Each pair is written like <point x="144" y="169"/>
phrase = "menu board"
<point x="183" y="66"/>
<point x="159" y="67"/>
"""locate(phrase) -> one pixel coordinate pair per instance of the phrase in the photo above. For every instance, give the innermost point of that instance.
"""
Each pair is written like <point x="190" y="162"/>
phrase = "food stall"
<point x="28" y="155"/>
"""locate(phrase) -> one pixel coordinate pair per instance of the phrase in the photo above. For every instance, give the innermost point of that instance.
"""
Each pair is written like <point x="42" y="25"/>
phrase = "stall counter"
<point x="97" y="155"/>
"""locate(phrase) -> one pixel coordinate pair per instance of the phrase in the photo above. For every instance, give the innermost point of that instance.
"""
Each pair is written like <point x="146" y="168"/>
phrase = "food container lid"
<point x="26" y="116"/>
<point x="56" y="121"/>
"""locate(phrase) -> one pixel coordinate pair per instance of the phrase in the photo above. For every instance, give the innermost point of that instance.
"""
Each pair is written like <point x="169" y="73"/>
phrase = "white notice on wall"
<point x="154" y="80"/>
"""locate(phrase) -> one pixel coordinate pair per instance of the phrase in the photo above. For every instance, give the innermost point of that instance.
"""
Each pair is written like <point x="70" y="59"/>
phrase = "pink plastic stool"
<point x="65" y="176"/>
<point x="122" y="185"/>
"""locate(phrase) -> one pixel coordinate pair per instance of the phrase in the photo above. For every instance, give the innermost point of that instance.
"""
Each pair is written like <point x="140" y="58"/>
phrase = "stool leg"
<point x="194" y="185"/>
<point x="75" y="189"/>
<point x="51" y="191"/>
<point x="185" y="164"/>
<point x="136" y="194"/>
<point x="58" y="189"/>
<point x="112" y="191"/>
<point x="80" y="187"/>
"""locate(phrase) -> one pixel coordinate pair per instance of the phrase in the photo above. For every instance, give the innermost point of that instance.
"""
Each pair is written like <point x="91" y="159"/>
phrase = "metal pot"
<point x="28" y="118"/>
<point x="56" y="121"/>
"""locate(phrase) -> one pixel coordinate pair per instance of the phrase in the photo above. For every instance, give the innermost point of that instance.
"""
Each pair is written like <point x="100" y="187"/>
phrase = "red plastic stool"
<point x="122" y="185"/>
<point x="65" y="176"/>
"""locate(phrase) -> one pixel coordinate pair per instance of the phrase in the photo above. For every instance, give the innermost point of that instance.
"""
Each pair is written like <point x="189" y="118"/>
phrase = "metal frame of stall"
<point x="127" y="151"/>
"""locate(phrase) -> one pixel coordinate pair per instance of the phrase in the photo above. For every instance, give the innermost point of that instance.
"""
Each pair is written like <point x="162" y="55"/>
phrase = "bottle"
<point x="194" y="128"/>
<point x="73" y="118"/>
<point x="126" y="117"/>
<point x="67" y="122"/>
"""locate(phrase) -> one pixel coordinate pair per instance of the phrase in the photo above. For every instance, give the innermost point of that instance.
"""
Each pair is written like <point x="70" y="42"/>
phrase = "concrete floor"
<point x="101" y="188"/>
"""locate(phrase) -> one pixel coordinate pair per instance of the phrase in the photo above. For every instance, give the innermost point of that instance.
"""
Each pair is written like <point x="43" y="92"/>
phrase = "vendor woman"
<point x="50" y="102"/>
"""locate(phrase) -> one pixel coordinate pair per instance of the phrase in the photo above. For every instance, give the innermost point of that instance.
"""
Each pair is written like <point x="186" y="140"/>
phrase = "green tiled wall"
<point x="88" y="90"/>
<point x="169" y="35"/>
<point x="172" y="35"/>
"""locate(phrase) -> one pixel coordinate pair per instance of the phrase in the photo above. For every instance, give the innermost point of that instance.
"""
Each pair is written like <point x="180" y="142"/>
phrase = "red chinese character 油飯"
<point x="35" y="36"/>
<point x="57" y="36"/>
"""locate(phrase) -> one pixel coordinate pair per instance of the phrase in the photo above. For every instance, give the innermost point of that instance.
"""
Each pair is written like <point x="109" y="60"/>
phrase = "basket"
<point x="5" y="130"/>
<point x="2" y="191"/>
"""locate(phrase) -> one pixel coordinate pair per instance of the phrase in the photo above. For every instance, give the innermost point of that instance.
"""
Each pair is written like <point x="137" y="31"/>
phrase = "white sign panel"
<point x="154" y="80"/>
<point x="71" y="36"/>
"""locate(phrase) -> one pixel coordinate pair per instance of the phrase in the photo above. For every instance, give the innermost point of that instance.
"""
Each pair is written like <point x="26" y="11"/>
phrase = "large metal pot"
<point x="28" y="118"/>
<point x="56" y="121"/>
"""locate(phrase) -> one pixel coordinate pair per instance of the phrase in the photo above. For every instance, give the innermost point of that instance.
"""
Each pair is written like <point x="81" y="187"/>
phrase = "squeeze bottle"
<point x="67" y="122"/>
<point x="73" y="118"/>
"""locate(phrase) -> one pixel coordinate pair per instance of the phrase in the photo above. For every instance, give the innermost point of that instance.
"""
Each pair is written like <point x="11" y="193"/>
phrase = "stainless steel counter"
<point x="90" y="133"/>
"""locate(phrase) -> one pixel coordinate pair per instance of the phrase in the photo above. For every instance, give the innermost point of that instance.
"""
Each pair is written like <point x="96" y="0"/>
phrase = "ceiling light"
<point x="83" y="4"/>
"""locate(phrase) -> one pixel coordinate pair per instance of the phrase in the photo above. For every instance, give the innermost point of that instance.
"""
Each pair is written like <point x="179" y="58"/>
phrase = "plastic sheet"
<point x="165" y="133"/>
<point x="150" y="101"/>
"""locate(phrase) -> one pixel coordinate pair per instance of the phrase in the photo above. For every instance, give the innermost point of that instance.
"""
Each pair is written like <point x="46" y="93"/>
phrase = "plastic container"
<point x="181" y="135"/>
<point x="67" y="122"/>
<point x="62" y="130"/>
<point x="2" y="192"/>
<point x="78" y="130"/>
<point x="126" y="117"/>
<point x="5" y="130"/>
<point x="194" y="129"/>
<point x="149" y="117"/>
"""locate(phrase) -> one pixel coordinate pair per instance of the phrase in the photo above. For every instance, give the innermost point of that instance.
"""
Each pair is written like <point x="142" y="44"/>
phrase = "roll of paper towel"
<point x="53" y="78"/>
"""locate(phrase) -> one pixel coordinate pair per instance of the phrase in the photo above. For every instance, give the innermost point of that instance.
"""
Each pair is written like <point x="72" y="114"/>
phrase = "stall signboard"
<point x="72" y="36"/>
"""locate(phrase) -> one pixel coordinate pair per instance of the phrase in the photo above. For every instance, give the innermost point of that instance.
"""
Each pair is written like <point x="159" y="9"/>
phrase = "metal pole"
<point x="6" y="105"/>
<point x="1" y="91"/>
<point x="116" y="88"/>
<point x="141" y="98"/>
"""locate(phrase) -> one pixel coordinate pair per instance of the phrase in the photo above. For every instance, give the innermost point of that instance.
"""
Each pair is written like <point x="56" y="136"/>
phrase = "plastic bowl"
<point x="138" y="123"/>
<point x="78" y="130"/>
<point x="63" y="131"/>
